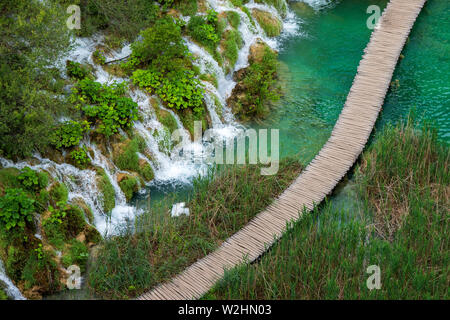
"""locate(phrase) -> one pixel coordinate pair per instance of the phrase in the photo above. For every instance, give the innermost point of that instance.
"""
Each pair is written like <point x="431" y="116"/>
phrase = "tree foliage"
<point x="32" y="34"/>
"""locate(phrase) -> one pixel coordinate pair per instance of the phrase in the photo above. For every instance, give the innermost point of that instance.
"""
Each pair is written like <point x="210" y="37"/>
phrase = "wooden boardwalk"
<point x="337" y="156"/>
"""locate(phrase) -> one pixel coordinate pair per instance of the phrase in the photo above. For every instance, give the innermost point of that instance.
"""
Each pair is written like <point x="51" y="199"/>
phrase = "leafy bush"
<point x="105" y="104"/>
<point x="32" y="180"/>
<point x="80" y="157"/>
<point x="160" y="48"/>
<point x="99" y="57"/>
<point x="76" y="70"/>
<point x="69" y="133"/>
<point x="16" y="209"/>
<point x="205" y="29"/>
<point x="180" y="90"/>
<point x="31" y="40"/>
<point x="121" y="19"/>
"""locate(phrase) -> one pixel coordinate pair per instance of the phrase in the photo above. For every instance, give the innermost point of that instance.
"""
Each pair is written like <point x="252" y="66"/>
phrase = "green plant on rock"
<point x="129" y="186"/>
<point x="160" y="48"/>
<point x="76" y="70"/>
<point x="16" y="209"/>
<point x="57" y="214"/>
<point x="80" y="157"/>
<point x="180" y="90"/>
<point x="99" y="57"/>
<point x="69" y="133"/>
<point x="106" y="105"/>
<point x="39" y="251"/>
<point x="31" y="179"/>
<point x="59" y="193"/>
<point x="205" y="29"/>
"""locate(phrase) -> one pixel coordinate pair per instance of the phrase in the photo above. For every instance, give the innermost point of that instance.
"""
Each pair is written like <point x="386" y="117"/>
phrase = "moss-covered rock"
<point x="108" y="195"/>
<point x="146" y="170"/>
<point x="271" y="25"/>
<point x="256" y="86"/>
<point x="59" y="192"/>
<point x="129" y="186"/>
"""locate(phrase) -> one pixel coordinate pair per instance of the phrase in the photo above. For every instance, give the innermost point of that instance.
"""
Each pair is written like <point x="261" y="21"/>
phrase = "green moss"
<point x="128" y="158"/>
<point x="188" y="118"/>
<point x="231" y="45"/>
<point x="129" y="186"/>
<point x="3" y="295"/>
<point x="234" y="19"/>
<point x="147" y="172"/>
<point x="41" y="270"/>
<point x="74" y="222"/>
<point x="59" y="193"/>
<point x="108" y="195"/>
<point x="92" y="235"/>
<point x="270" y="24"/>
<point x="42" y="200"/>
<point x="280" y="5"/>
<point x="8" y="178"/>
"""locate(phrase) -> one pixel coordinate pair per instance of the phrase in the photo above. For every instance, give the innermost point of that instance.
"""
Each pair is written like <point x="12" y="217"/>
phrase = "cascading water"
<point x="171" y="164"/>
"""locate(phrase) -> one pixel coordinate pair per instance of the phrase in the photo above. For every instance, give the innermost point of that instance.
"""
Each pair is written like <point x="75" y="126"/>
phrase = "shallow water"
<point x="321" y="67"/>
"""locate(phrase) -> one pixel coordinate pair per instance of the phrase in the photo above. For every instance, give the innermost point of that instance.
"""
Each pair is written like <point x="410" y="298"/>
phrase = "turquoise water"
<point x="321" y="67"/>
<point x="318" y="69"/>
<point x="424" y="73"/>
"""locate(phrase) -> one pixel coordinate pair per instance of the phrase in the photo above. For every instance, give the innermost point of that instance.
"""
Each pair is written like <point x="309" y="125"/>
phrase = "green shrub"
<point x="76" y="70"/>
<point x="205" y="29"/>
<point x="161" y="48"/>
<point x="16" y="209"/>
<point x="106" y="105"/>
<point x="33" y="180"/>
<point x="99" y="57"/>
<point x="180" y="90"/>
<point x="129" y="186"/>
<point x="80" y="157"/>
<point x="120" y="19"/>
<point x="69" y="133"/>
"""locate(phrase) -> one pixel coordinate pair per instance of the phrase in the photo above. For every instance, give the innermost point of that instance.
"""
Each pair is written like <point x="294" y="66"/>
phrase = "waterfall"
<point x="170" y="163"/>
<point x="7" y="285"/>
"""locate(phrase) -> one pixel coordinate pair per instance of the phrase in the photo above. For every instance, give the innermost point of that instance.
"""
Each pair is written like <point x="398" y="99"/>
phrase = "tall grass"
<point x="403" y="179"/>
<point x="158" y="246"/>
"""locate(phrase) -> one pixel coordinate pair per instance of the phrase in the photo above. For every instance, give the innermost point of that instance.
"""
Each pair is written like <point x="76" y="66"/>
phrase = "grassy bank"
<point x="158" y="246"/>
<point x="402" y="227"/>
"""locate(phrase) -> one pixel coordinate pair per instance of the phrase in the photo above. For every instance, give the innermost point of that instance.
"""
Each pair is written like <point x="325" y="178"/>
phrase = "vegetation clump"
<point x="159" y="246"/>
<point x="256" y="87"/>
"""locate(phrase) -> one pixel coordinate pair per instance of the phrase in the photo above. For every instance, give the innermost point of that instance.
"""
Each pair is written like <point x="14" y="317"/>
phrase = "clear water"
<point x="320" y="68"/>
<point x="424" y="73"/>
